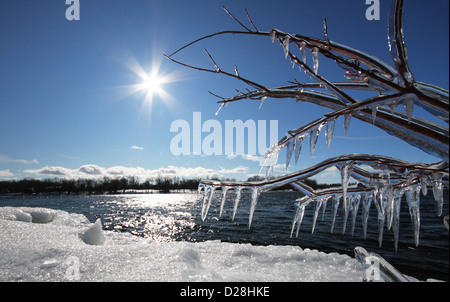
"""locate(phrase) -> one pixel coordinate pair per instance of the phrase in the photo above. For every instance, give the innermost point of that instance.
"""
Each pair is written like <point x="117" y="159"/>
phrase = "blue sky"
<point x="69" y="107"/>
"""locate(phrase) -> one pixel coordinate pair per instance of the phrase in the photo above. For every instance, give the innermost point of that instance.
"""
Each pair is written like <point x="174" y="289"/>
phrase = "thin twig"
<point x="250" y="19"/>
<point x="236" y="19"/>
<point x="215" y="64"/>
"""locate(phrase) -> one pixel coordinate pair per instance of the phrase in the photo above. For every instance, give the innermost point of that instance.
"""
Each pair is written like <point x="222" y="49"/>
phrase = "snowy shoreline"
<point x="39" y="244"/>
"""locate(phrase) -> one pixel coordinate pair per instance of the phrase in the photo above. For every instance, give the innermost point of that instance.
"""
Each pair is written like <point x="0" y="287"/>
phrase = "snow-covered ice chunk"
<point x="94" y="235"/>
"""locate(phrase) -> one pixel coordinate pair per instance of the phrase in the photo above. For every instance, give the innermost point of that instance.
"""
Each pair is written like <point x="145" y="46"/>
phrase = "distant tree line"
<point x="113" y="185"/>
<point x="96" y="186"/>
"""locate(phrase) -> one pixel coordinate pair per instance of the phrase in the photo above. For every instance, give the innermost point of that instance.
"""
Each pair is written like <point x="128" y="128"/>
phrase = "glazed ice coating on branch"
<point x="393" y="86"/>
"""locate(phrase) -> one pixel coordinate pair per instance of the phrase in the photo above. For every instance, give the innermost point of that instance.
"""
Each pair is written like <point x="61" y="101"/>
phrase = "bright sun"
<point x="151" y="83"/>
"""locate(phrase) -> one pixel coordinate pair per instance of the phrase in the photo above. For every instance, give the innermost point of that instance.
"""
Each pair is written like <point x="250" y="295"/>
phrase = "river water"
<point x="176" y="216"/>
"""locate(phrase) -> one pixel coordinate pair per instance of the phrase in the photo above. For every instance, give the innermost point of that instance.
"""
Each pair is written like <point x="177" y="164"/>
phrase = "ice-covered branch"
<point x="393" y="86"/>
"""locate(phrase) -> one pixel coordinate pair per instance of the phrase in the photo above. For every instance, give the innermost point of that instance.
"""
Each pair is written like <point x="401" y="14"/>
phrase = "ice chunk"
<point x="42" y="215"/>
<point x="23" y="216"/>
<point x="94" y="235"/>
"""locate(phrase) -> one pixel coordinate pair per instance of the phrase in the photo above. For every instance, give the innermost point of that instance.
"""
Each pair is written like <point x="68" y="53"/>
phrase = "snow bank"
<point x="39" y="244"/>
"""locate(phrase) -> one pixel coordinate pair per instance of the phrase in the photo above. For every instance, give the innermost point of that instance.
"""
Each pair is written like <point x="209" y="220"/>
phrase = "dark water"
<point x="173" y="217"/>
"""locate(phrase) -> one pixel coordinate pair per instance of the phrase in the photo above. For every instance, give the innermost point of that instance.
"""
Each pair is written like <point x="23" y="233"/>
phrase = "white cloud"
<point x="252" y="157"/>
<point x="134" y="147"/>
<point x="7" y="160"/>
<point x="246" y="157"/>
<point x="94" y="171"/>
<point x="91" y="170"/>
<point x="54" y="171"/>
<point x="5" y="174"/>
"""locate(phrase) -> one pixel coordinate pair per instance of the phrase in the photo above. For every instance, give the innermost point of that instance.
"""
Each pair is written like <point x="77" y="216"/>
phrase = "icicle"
<point x="289" y="150"/>
<point x="408" y="104"/>
<point x="367" y="201"/>
<point x="335" y="208"/>
<point x="313" y="135"/>
<point x="324" y="206"/>
<point x="389" y="195"/>
<point x="356" y="199"/>
<point x="261" y="102"/>
<point x="273" y="34"/>
<point x="221" y="106"/>
<point x="329" y="130"/>
<point x="413" y="200"/>
<point x="319" y="201"/>
<point x="347" y="118"/>
<point x="270" y="158"/>
<point x="438" y="191"/>
<point x="236" y="200"/>
<point x="298" y="146"/>
<point x="315" y="57"/>
<point x="381" y="207"/>
<point x="236" y="72"/>
<point x="255" y="196"/>
<point x="199" y="189"/>
<point x="346" y="170"/>
<point x="423" y="182"/>
<point x="300" y="212"/>
<point x="205" y="205"/>
<point x="396" y="220"/>
<point x="374" y="113"/>
<point x="286" y="46"/>
<point x="293" y="63"/>
<point x="224" y="197"/>
<point x="392" y="106"/>
<point x="302" y="48"/>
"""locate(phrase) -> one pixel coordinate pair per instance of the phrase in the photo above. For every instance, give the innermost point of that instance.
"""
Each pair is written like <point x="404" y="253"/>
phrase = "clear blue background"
<point x="66" y="97"/>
